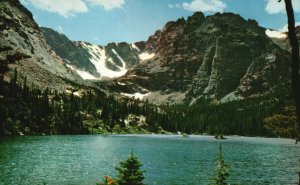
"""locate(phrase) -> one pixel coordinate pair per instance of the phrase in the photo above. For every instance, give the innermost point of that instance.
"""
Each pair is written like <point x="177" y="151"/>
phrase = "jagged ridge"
<point x="93" y="62"/>
<point x="221" y="57"/>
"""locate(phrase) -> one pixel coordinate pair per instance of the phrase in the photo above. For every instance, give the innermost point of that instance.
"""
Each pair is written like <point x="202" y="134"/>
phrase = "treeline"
<point x="31" y="110"/>
<point x="28" y="109"/>
<point x="243" y="117"/>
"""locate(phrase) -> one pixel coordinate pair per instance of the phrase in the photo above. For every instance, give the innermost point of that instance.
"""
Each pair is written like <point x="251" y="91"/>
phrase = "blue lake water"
<point x="168" y="160"/>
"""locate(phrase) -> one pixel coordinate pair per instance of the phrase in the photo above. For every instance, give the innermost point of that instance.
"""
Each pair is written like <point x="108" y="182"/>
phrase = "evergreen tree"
<point x="222" y="170"/>
<point x="129" y="172"/>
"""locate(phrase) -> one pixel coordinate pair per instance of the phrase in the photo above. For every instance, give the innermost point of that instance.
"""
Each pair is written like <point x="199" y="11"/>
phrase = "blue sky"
<point x="104" y="21"/>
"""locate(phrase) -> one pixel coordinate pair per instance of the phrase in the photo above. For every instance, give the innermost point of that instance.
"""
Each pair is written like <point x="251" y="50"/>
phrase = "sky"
<point x="104" y="21"/>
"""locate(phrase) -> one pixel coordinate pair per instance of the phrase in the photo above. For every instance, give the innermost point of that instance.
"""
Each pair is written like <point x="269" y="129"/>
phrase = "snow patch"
<point x="231" y="97"/>
<point x="121" y="83"/>
<point x="99" y="58"/>
<point x="136" y="95"/>
<point x="76" y="94"/>
<point x="86" y="75"/>
<point x="123" y="63"/>
<point x="146" y="56"/>
<point x="275" y="34"/>
<point x="135" y="47"/>
<point x="71" y="67"/>
<point x="68" y="91"/>
<point x="83" y="74"/>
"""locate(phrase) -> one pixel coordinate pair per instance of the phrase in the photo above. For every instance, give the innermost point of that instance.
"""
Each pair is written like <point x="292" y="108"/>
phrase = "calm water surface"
<point x="167" y="159"/>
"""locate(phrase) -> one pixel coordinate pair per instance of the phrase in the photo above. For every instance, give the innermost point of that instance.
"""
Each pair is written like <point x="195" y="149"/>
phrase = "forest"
<point x="30" y="110"/>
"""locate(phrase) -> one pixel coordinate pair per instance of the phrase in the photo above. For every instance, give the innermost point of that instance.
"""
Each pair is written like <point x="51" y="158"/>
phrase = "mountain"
<point x="93" y="62"/>
<point x="199" y="65"/>
<point x="222" y="57"/>
<point x="23" y="47"/>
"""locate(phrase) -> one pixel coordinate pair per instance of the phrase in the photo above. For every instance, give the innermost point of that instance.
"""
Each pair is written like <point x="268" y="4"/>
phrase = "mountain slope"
<point x="23" y="47"/>
<point x="221" y="58"/>
<point x="68" y="50"/>
<point x="93" y="62"/>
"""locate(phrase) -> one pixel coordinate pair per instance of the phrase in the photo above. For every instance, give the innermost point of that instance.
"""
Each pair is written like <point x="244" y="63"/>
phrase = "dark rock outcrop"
<point x="221" y="57"/>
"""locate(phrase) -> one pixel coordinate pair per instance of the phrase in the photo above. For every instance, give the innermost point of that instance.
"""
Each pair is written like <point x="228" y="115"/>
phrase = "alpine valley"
<point x="204" y="74"/>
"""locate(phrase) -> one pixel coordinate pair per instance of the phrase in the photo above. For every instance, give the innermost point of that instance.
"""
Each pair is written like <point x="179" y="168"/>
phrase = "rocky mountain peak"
<point x="194" y="21"/>
<point x="152" y="42"/>
<point x="220" y="57"/>
<point x="196" y="17"/>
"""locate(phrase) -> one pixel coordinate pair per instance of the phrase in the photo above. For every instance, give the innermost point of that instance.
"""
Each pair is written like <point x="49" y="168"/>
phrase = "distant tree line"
<point x="243" y="117"/>
<point x="31" y="110"/>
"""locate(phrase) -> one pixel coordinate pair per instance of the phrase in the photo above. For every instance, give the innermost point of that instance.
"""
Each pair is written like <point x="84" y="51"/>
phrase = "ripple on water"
<point x="167" y="159"/>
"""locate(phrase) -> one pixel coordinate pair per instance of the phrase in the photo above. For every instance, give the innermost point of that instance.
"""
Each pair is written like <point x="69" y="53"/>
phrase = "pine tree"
<point x="222" y="170"/>
<point x="129" y="172"/>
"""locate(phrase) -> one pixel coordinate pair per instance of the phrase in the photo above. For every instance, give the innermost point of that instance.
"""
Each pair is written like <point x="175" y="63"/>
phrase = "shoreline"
<point x="154" y="135"/>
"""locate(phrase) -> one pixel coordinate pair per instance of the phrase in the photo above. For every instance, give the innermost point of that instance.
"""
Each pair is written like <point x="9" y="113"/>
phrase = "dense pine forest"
<point x="27" y="109"/>
<point x="243" y="117"/>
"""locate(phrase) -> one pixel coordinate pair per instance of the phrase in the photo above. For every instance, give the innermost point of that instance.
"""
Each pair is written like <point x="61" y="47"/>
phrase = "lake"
<point x="167" y="159"/>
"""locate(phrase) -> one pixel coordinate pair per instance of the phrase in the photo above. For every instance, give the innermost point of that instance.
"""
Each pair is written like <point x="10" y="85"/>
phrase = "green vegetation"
<point x="31" y="110"/>
<point x="222" y="170"/>
<point x="284" y="124"/>
<point x="243" y="117"/>
<point x="129" y="173"/>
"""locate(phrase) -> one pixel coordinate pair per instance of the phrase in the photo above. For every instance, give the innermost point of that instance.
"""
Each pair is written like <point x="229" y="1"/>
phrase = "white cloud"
<point x="285" y="27"/>
<point x="107" y="4"/>
<point x="205" y="6"/>
<point x="69" y="8"/>
<point x="274" y="7"/>
<point x="65" y="8"/>
<point x="59" y="29"/>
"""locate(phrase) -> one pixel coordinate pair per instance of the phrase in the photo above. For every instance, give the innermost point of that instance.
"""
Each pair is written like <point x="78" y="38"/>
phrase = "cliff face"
<point x="221" y="57"/>
<point x="23" y="46"/>
<point x="94" y="62"/>
<point x="68" y="50"/>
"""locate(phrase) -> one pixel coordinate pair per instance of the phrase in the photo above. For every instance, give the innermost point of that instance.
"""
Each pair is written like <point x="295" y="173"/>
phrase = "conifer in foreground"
<point x="222" y="170"/>
<point x="129" y="172"/>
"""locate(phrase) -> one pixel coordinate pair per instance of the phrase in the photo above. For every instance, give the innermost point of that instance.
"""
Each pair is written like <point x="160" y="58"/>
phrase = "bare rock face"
<point x="23" y="46"/>
<point x="94" y="62"/>
<point x="68" y="50"/>
<point x="220" y="57"/>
